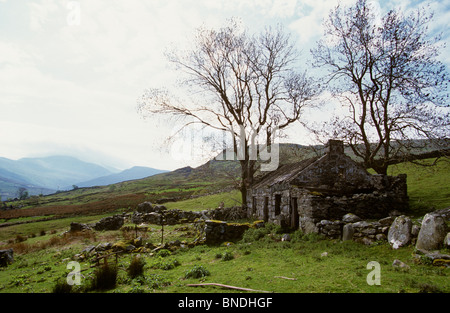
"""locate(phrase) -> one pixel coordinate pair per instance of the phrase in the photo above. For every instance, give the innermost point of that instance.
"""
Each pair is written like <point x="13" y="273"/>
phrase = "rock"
<point x="399" y="234"/>
<point x="307" y="225"/>
<point x="361" y="224"/>
<point x="380" y="237"/>
<point x="387" y="221"/>
<point x="138" y="242"/>
<point x="74" y="227"/>
<point x="324" y="254"/>
<point x="367" y="241"/>
<point x="88" y="250"/>
<point x="432" y="232"/>
<point x="400" y="264"/>
<point x="145" y="207"/>
<point x="286" y="237"/>
<point x="110" y="223"/>
<point x="415" y="230"/>
<point x="6" y="257"/>
<point x="447" y="241"/>
<point x="103" y="246"/>
<point x="347" y="232"/>
<point x="350" y="218"/>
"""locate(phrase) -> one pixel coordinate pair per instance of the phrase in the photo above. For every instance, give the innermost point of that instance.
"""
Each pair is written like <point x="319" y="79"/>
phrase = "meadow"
<point x="260" y="261"/>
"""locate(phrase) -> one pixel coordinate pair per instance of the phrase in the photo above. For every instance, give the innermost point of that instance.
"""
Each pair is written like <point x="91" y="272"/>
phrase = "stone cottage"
<point x="301" y="194"/>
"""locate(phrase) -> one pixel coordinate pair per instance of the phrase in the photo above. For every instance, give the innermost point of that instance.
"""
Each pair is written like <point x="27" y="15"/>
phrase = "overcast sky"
<point x="71" y="71"/>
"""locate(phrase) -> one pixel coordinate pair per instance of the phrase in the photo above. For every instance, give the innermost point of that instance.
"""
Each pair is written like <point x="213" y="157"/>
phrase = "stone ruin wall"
<point x="388" y="194"/>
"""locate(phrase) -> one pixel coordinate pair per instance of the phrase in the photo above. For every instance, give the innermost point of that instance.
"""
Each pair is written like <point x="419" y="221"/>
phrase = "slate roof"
<point x="284" y="174"/>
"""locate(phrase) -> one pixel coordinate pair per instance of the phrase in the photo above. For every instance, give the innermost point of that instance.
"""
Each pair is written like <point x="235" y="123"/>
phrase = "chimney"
<point x="335" y="147"/>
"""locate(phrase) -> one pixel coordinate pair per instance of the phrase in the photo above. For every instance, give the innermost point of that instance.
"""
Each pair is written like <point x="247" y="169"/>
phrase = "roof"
<point x="284" y="174"/>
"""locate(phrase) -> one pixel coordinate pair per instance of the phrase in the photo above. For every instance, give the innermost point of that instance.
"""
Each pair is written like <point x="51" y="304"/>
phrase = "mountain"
<point x="52" y="172"/>
<point x="137" y="172"/>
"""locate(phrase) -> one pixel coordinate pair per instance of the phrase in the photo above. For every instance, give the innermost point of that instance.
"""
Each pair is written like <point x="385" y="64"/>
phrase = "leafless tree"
<point x="386" y="71"/>
<point x="245" y="85"/>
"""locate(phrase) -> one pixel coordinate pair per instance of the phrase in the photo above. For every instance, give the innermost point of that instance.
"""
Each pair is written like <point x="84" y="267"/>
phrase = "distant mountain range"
<point x="136" y="172"/>
<point x="48" y="174"/>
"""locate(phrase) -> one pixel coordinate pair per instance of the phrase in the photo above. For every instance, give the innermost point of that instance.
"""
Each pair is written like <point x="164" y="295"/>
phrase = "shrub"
<point x="198" y="271"/>
<point x="227" y="256"/>
<point x="166" y="264"/>
<point x="255" y="234"/>
<point x="163" y="253"/>
<point x="136" y="267"/>
<point x="156" y="281"/>
<point x="105" y="277"/>
<point x="61" y="286"/>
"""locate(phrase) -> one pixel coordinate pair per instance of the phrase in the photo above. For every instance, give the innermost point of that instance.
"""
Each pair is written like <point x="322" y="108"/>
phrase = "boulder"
<point x="6" y="257"/>
<point x="286" y="237"/>
<point x="350" y="218"/>
<point x="74" y="227"/>
<point x="145" y="207"/>
<point x="347" y="232"/>
<point x="432" y="232"/>
<point x="447" y="241"/>
<point x="399" y="234"/>
<point x="110" y="223"/>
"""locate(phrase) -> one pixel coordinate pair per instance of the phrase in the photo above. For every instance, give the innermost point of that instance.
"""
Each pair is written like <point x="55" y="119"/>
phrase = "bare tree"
<point x="385" y="70"/>
<point x="246" y="86"/>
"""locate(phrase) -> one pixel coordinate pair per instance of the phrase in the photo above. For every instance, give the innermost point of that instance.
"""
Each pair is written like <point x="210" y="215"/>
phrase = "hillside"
<point x="54" y="172"/>
<point x="214" y="177"/>
<point x="136" y="172"/>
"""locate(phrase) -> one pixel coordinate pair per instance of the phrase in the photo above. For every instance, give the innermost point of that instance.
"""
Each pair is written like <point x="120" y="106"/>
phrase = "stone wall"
<point x="149" y="214"/>
<point x="219" y="231"/>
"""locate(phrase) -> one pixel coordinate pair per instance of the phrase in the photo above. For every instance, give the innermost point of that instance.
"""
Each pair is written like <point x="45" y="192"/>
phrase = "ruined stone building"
<point x="301" y="194"/>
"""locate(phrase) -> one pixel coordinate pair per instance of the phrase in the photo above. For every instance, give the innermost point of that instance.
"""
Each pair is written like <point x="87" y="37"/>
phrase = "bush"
<point x="198" y="271"/>
<point x="105" y="277"/>
<point x="163" y="253"/>
<point x="166" y="264"/>
<point x="62" y="286"/>
<point x="255" y="234"/>
<point x="136" y="267"/>
<point x="227" y="256"/>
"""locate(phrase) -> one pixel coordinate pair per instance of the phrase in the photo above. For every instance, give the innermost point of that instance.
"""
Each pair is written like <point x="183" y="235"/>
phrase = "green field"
<point x="261" y="261"/>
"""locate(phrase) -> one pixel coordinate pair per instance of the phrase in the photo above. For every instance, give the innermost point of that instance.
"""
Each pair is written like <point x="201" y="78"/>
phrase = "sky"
<point x="72" y="71"/>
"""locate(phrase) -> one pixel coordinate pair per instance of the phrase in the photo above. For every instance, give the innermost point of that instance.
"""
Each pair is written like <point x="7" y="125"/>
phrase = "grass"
<point x="260" y="265"/>
<point x="428" y="186"/>
<point x="229" y="199"/>
<point x="259" y="261"/>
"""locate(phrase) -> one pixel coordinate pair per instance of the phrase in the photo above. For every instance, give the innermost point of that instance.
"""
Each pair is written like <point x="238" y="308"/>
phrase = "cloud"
<point x="74" y="87"/>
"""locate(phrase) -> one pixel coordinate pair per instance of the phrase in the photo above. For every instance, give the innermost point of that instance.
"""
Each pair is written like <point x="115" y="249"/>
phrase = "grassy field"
<point x="261" y="261"/>
<point x="306" y="264"/>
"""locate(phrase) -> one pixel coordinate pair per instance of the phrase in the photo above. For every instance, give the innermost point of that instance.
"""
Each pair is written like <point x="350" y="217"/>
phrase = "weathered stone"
<point x="380" y="237"/>
<point x="6" y="257"/>
<point x="286" y="237"/>
<point x="432" y="232"/>
<point x="145" y="207"/>
<point x="400" y="264"/>
<point x="110" y="223"/>
<point x="103" y="246"/>
<point x="307" y="225"/>
<point x="367" y="241"/>
<point x="361" y="224"/>
<point x="399" y="234"/>
<point x="415" y="229"/>
<point x="347" y="232"/>
<point x="447" y="241"/>
<point x="74" y="227"/>
<point x="387" y="221"/>
<point x="350" y="218"/>
<point x="88" y="250"/>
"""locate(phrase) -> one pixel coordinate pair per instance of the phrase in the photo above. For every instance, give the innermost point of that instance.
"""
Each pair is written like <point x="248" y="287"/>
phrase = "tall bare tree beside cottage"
<point x="246" y="85"/>
<point x="385" y="70"/>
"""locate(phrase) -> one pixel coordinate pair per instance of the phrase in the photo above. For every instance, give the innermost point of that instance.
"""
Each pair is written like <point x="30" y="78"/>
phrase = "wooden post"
<point x="162" y="227"/>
